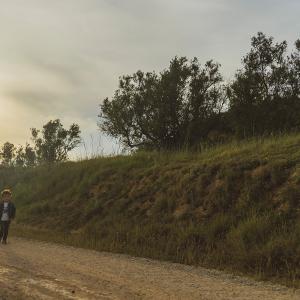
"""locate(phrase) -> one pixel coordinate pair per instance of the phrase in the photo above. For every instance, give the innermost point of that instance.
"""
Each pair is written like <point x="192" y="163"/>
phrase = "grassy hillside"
<point x="235" y="206"/>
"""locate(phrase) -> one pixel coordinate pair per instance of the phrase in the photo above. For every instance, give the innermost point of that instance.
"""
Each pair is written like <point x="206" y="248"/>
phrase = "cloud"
<point x="59" y="59"/>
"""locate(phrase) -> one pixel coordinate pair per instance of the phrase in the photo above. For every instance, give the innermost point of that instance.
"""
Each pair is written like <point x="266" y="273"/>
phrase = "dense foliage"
<point x="51" y="144"/>
<point x="265" y="94"/>
<point x="172" y="109"/>
<point x="189" y="104"/>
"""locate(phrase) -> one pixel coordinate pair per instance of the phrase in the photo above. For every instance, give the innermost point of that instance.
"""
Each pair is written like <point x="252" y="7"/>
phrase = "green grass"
<point x="234" y="207"/>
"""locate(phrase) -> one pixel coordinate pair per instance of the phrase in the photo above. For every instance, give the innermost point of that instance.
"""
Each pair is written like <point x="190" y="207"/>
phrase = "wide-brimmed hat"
<point x="6" y="192"/>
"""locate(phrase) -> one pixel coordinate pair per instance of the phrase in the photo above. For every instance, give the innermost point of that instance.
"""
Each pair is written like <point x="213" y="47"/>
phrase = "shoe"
<point x="4" y="242"/>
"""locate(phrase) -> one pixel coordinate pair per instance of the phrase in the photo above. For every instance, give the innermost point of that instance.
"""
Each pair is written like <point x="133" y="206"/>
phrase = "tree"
<point x="294" y="71"/>
<point x="25" y="157"/>
<point x="263" y="95"/>
<point x="175" y="108"/>
<point x="7" y="154"/>
<point x="29" y="156"/>
<point x="53" y="142"/>
<point x="20" y="157"/>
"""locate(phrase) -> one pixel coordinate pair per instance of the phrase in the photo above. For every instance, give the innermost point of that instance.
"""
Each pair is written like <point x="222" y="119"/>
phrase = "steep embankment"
<point x="235" y="206"/>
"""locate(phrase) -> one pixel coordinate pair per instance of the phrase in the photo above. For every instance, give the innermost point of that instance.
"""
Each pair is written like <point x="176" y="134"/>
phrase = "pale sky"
<point x="61" y="58"/>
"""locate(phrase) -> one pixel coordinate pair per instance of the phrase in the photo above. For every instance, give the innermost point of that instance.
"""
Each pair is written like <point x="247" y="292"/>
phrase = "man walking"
<point x="7" y="213"/>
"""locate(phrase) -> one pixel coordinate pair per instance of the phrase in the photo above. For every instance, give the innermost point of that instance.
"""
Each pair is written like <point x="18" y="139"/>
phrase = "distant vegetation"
<point x="51" y="145"/>
<point x="234" y="206"/>
<point x="189" y="104"/>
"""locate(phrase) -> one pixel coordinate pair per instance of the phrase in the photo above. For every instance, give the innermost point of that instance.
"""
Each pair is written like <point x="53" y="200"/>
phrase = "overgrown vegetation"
<point x="235" y="206"/>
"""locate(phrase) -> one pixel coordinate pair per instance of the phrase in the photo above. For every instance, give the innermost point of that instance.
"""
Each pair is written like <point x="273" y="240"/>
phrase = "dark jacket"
<point x="11" y="210"/>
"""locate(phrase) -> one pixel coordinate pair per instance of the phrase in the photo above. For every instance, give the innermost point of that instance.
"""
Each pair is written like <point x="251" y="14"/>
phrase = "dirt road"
<point x="36" y="270"/>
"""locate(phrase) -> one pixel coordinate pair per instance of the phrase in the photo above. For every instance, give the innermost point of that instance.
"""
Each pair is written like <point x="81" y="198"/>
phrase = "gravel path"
<point x="37" y="270"/>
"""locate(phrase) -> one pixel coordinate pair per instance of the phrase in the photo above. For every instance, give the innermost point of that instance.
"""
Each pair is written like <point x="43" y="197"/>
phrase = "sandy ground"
<point x="36" y="270"/>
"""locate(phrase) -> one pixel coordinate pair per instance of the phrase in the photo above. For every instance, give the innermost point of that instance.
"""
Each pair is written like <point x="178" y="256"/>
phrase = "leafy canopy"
<point x="54" y="142"/>
<point x="165" y="110"/>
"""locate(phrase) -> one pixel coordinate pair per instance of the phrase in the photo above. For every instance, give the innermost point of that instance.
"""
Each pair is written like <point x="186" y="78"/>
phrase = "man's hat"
<point x="6" y="192"/>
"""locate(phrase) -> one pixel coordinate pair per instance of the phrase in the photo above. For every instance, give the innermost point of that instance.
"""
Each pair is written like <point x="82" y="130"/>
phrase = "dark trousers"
<point x="4" y="230"/>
